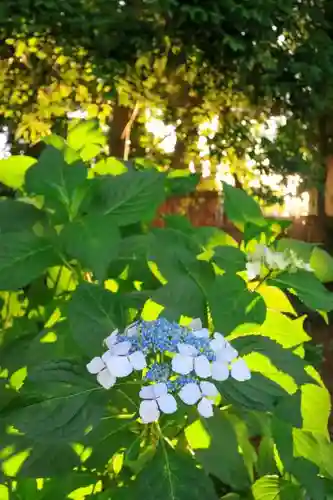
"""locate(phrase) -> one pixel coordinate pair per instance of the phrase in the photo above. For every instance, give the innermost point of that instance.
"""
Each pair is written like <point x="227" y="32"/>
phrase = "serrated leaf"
<point x="240" y="207"/>
<point x="93" y="314"/>
<point x="17" y="216"/>
<point x="276" y="488"/>
<point x="308" y="289"/>
<point x="61" y="184"/>
<point x="258" y="393"/>
<point x="94" y="241"/>
<point x="107" y="438"/>
<point x="232" y="303"/>
<point x="23" y="257"/>
<point x="170" y="476"/>
<point x="129" y="198"/>
<point x="229" y="258"/>
<point x="214" y="442"/>
<point x="282" y="358"/>
<point x="13" y="170"/>
<point x="109" y="166"/>
<point x="276" y="299"/>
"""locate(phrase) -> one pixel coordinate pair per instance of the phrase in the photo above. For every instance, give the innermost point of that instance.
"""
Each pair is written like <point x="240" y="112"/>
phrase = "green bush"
<point x="79" y="259"/>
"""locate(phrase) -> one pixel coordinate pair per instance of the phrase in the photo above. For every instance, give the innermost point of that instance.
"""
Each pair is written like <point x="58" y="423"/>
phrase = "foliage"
<point x="241" y="63"/>
<point x="86" y="259"/>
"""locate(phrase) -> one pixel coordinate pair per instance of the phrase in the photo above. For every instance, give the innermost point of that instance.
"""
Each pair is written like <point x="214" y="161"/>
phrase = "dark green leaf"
<point x="171" y="475"/>
<point x="229" y="258"/>
<point x="17" y="216"/>
<point x="93" y="314"/>
<point x="129" y="198"/>
<point x="61" y="184"/>
<point x="240" y="207"/>
<point x="216" y="447"/>
<point x="94" y="241"/>
<point x="232" y="303"/>
<point x="258" y="393"/>
<point x="308" y="288"/>
<point x="23" y="257"/>
<point x="281" y="357"/>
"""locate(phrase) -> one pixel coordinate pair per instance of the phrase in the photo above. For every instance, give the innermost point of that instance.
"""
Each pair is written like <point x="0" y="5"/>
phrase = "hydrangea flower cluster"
<point x="274" y="261"/>
<point x="174" y="362"/>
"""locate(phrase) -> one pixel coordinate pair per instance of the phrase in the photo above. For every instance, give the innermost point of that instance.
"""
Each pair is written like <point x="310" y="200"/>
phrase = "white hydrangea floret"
<point x="97" y="367"/>
<point x="118" y="360"/>
<point x="200" y="393"/>
<point x="156" y="399"/>
<point x="227" y="361"/>
<point x="189" y="359"/>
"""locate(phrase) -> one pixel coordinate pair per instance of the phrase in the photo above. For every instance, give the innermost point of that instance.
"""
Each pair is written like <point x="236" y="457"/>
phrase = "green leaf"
<point x="59" y="404"/>
<point x="185" y="291"/>
<point x="23" y="257"/>
<point x="107" y="438"/>
<point x="87" y="138"/>
<point x="214" y="442"/>
<point x="94" y="241"/>
<point x="275" y="299"/>
<point x="308" y="288"/>
<point x="229" y="258"/>
<point x="276" y="488"/>
<point x="286" y="331"/>
<point x="181" y="182"/>
<point x="258" y="393"/>
<point x="109" y="166"/>
<point x="301" y="248"/>
<point x="17" y="216"/>
<point x="322" y="264"/>
<point x="47" y="460"/>
<point x="170" y="476"/>
<point x="282" y="358"/>
<point x="93" y="314"/>
<point x="13" y="170"/>
<point x="232" y="303"/>
<point x="240" y="207"/>
<point x="129" y="198"/>
<point x="61" y="184"/>
<point x="266" y="457"/>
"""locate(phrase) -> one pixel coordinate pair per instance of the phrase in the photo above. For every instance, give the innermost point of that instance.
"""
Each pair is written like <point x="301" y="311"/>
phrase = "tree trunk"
<point x="117" y="139"/>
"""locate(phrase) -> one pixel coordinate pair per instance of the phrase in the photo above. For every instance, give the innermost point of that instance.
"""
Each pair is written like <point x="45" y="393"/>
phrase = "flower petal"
<point x="119" y="366"/>
<point x="253" y="270"/>
<point x="160" y="389"/>
<point x="205" y="408"/>
<point x="147" y="392"/>
<point x="187" y="349"/>
<point x="218" y="342"/>
<point x="220" y="371"/>
<point x="240" y="371"/>
<point x="167" y="404"/>
<point x="209" y="389"/>
<point x="121" y="349"/>
<point x="132" y="330"/>
<point x="138" y="360"/>
<point x="111" y="339"/>
<point x="203" y="333"/>
<point x="182" y="364"/>
<point x="227" y="354"/>
<point x="149" y="411"/>
<point x="107" y="355"/>
<point x="202" y="367"/>
<point x="105" y="379"/>
<point x="95" y="365"/>
<point x="190" y="393"/>
<point x="195" y="324"/>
